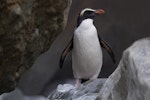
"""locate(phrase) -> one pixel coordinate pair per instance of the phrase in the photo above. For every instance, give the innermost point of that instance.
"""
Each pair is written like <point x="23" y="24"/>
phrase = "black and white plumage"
<point x="87" y="57"/>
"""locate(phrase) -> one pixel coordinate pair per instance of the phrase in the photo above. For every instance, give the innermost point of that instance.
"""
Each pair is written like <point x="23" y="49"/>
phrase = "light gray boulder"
<point x="130" y="81"/>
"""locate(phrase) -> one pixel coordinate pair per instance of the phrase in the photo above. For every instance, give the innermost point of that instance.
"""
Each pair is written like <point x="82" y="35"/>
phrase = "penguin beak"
<point x="99" y="11"/>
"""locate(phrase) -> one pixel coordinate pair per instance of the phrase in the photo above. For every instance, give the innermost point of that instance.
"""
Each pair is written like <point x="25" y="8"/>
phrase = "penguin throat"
<point x="86" y="22"/>
<point x="81" y="19"/>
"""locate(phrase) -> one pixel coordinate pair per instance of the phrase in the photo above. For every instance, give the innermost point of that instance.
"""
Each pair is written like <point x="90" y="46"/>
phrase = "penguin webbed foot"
<point x="78" y="83"/>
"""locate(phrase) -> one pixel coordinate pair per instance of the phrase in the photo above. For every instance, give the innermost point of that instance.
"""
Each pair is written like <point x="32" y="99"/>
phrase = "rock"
<point x="131" y="80"/>
<point x="87" y="91"/>
<point x="27" y="29"/>
<point x="18" y="95"/>
<point x="14" y="95"/>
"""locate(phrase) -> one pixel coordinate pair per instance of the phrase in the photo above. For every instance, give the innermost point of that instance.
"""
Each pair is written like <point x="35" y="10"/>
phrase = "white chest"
<point x="85" y="37"/>
<point x="87" y="53"/>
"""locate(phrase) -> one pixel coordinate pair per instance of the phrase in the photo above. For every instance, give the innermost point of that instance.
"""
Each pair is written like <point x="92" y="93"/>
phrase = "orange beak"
<point x="100" y="11"/>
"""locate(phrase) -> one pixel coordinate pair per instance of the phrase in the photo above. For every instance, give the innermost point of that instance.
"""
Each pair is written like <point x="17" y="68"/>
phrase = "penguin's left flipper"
<point x="65" y="52"/>
<point x="108" y="49"/>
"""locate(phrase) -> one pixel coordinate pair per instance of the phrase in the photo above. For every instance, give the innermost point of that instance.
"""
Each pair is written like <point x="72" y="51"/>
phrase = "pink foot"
<point x="78" y="83"/>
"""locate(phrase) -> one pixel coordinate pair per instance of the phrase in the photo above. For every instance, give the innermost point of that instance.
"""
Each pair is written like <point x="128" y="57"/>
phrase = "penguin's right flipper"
<point x="108" y="49"/>
<point x="65" y="52"/>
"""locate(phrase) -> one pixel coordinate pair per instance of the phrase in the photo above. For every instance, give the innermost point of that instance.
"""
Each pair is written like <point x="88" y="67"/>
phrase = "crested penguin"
<point x="87" y="57"/>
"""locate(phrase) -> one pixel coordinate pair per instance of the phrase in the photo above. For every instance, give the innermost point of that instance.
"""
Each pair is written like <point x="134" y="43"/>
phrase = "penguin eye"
<point x="88" y="13"/>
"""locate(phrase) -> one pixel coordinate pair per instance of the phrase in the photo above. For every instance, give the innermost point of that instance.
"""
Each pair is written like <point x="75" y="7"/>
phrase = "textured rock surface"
<point x="87" y="91"/>
<point x="27" y="29"/>
<point x="18" y="95"/>
<point x="131" y="80"/>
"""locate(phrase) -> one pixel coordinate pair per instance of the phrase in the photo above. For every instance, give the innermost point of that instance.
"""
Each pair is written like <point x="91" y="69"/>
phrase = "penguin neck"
<point x="86" y="23"/>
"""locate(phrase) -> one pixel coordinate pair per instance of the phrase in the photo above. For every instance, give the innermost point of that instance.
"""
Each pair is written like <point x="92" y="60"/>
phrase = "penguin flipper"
<point x="108" y="49"/>
<point x="65" y="52"/>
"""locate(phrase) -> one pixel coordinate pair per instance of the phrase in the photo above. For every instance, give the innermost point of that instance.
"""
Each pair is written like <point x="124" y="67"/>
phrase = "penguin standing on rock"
<point x="87" y="57"/>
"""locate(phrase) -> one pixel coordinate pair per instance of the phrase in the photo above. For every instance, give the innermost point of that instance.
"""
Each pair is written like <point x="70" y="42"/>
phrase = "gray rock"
<point x="18" y="95"/>
<point x="27" y="29"/>
<point x="87" y="91"/>
<point x="131" y="80"/>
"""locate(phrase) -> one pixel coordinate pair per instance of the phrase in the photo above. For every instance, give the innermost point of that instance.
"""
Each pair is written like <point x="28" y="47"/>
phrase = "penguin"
<point x="86" y="46"/>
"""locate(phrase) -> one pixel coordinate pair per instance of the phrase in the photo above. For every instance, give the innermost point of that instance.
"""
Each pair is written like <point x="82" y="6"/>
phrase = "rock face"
<point x="27" y="29"/>
<point x="130" y="81"/>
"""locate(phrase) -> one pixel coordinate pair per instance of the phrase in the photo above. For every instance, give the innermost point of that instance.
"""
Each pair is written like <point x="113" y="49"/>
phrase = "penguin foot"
<point x="78" y="83"/>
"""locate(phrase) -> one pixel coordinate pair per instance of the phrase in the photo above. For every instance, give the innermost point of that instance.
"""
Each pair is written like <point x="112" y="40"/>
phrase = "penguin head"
<point x="88" y="13"/>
